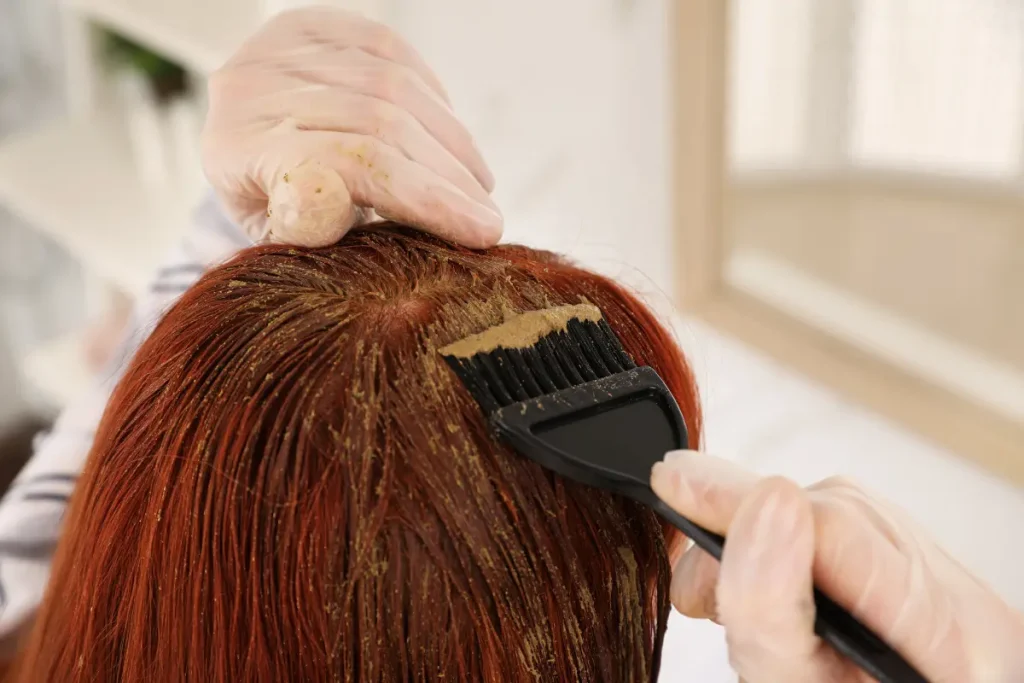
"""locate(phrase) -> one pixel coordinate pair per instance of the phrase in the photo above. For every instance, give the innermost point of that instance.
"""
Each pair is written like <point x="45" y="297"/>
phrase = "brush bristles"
<point x="585" y="351"/>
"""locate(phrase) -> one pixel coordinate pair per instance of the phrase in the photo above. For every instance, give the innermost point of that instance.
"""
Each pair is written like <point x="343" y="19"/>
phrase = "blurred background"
<point x="867" y="198"/>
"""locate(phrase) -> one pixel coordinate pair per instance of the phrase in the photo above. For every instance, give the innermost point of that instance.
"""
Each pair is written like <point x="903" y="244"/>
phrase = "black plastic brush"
<point x="559" y="387"/>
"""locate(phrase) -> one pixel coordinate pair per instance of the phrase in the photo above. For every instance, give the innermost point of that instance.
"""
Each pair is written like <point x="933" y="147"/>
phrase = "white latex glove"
<point x="322" y="112"/>
<point x="864" y="553"/>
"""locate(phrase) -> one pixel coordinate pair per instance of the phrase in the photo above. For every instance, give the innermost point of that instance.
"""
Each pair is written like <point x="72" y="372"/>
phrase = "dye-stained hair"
<point x="289" y="484"/>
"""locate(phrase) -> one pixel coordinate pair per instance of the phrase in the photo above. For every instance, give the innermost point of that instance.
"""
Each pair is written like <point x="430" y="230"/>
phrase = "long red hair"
<point x="290" y="485"/>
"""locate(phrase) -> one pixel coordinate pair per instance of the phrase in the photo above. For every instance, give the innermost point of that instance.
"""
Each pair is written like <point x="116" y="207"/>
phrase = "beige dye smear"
<point x="523" y="330"/>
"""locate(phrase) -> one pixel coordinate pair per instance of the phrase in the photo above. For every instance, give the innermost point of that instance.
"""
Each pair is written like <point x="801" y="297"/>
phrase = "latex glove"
<point x="322" y="112"/>
<point x="864" y="553"/>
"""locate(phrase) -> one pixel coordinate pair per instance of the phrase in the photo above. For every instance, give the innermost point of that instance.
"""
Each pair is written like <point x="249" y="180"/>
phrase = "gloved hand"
<point x="323" y="112"/>
<point x="864" y="553"/>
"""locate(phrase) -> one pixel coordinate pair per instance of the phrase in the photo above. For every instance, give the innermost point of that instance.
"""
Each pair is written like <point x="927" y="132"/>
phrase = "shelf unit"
<point x="75" y="179"/>
<point x="198" y="34"/>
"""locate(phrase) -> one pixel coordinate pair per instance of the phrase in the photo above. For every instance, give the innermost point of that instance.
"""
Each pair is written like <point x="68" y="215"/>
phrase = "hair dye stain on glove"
<point x="310" y="206"/>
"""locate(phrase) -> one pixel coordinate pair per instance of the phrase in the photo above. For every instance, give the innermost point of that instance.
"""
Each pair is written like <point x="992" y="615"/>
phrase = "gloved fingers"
<point x="332" y="30"/>
<point x="412" y="194"/>
<point x="363" y="73"/>
<point x="852" y="552"/>
<point x="695" y="585"/>
<point x="865" y="554"/>
<point x="859" y="503"/>
<point x="324" y="117"/>
<point x="323" y="108"/>
<point x="705" y="489"/>
<point x="765" y="589"/>
<point x="879" y="574"/>
<point x="311" y="207"/>
<point x="379" y="176"/>
<point x="710" y="490"/>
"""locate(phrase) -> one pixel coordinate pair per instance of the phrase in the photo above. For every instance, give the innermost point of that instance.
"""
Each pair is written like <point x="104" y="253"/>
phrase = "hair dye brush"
<point x="558" y="386"/>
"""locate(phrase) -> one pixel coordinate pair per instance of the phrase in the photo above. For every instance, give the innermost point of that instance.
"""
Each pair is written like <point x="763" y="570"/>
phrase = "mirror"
<point x="849" y="194"/>
<point x="875" y="180"/>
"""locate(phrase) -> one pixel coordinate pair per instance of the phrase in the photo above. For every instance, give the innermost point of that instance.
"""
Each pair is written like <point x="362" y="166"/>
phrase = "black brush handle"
<point x="833" y="624"/>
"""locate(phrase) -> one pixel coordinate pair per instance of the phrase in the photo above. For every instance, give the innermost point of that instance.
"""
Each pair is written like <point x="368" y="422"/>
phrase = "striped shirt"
<point x="32" y="510"/>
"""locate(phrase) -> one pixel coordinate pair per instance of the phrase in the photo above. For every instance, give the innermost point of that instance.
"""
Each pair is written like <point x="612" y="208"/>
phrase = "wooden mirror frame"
<point x="700" y="71"/>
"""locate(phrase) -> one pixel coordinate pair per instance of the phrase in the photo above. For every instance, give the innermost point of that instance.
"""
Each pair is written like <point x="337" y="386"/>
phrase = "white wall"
<point x="568" y="102"/>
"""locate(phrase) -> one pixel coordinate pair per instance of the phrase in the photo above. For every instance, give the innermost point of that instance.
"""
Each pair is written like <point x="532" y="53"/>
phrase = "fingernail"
<point x="677" y="456"/>
<point x="488" y="181"/>
<point x="670" y="479"/>
<point x="490" y="203"/>
<point x="703" y="467"/>
<point x="489" y="224"/>
<point x="486" y="176"/>
<point x="668" y="484"/>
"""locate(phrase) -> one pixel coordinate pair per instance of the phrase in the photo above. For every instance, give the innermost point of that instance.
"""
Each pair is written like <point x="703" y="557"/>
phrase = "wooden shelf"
<point x="75" y="181"/>
<point x="198" y="34"/>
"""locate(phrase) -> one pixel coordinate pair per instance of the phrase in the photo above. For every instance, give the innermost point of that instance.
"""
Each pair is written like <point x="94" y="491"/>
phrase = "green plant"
<point x="165" y="77"/>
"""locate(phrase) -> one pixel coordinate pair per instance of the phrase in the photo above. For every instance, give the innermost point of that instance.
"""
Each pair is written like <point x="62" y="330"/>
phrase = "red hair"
<point x="290" y="485"/>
